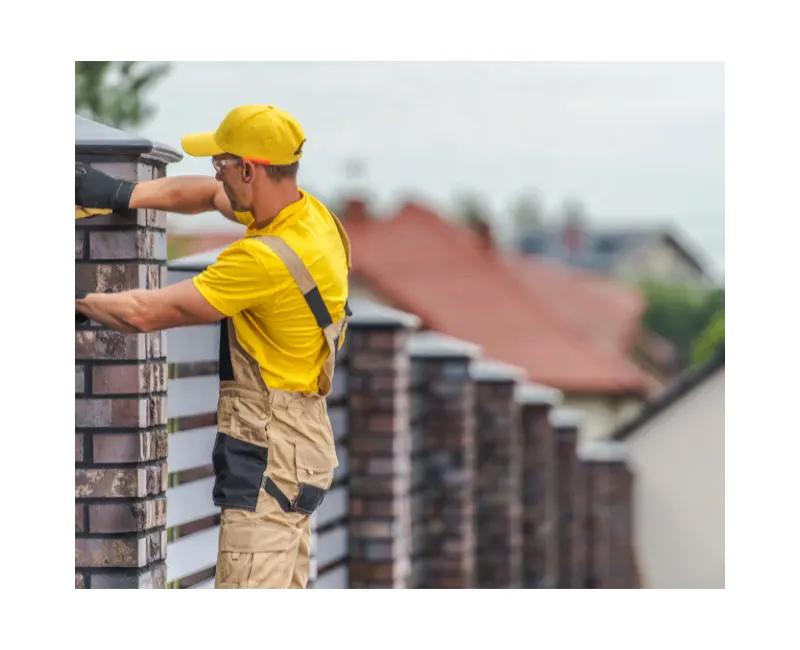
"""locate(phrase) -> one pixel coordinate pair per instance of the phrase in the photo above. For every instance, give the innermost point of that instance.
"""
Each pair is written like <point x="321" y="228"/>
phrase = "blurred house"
<point x="632" y="255"/>
<point x="676" y="452"/>
<point x="569" y="329"/>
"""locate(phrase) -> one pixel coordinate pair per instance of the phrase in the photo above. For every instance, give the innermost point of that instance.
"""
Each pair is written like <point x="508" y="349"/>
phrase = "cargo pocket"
<point x="255" y="555"/>
<point x="314" y="472"/>
<point x="239" y="468"/>
<point x="298" y="476"/>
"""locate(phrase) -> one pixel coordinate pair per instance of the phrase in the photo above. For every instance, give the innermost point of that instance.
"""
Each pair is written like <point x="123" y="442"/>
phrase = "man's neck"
<point x="267" y="209"/>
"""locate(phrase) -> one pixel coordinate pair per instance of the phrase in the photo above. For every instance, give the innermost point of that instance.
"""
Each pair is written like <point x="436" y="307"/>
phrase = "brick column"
<point x="120" y="401"/>
<point x="539" y="485"/>
<point x="443" y="427"/>
<point x="570" y="495"/>
<point x="498" y="475"/>
<point x="609" y="532"/>
<point x="379" y="447"/>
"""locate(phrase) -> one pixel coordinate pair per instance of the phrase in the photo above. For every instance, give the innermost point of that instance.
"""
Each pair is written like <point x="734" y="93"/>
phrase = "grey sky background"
<point x="637" y="143"/>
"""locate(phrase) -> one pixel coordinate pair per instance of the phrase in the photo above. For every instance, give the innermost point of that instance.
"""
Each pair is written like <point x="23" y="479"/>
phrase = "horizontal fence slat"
<point x="337" y="578"/>
<point x="175" y="275"/>
<point x="192" y="395"/>
<point x="338" y="418"/>
<point x="190" y="502"/>
<point x="339" y="384"/>
<point x="192" y="554"/>
<point x="331" y="546"/>
<point x="205" y="584"/>
<point x="333" y="507"/>
<point x="191" y="449"/>
<point x="195" y="343"/>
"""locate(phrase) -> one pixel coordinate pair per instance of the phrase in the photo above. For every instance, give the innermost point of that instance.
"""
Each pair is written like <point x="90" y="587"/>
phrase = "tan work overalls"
<point x="274" y="454"/>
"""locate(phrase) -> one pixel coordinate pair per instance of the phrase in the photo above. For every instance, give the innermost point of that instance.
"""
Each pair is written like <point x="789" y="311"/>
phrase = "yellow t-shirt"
<point x="273" y="321"/>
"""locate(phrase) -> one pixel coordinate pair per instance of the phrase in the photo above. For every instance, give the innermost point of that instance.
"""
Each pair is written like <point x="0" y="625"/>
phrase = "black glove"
<point x="80" y="318"/>
<point x="94" y="189"/>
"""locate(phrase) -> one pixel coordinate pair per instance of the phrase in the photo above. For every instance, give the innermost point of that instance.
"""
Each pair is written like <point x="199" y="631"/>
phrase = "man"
<point x="280" y="294"/>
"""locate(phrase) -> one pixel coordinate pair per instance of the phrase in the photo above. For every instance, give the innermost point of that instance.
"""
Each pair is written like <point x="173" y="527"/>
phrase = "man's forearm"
<point x="119" y="311"/>
<point x="179" y="194"/>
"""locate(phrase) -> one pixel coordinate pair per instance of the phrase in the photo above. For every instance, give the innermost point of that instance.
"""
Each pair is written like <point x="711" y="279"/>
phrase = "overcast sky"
<point x="635" y="142"/>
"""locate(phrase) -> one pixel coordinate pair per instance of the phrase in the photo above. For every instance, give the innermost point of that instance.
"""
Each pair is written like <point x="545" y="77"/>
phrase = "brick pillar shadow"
<point x="443" y="460"/>
<point x="570" y="498"/>
<point x="379" y="447"/>
<point x="498" y="476"/>
<point x="539" y="485"/>
<point x="608" y="485"/>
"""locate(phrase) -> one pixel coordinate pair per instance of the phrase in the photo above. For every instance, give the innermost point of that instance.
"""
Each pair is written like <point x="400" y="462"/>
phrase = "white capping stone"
<point x="197" y="261"/>
<point x="531" y="393"/>
<point x="436" y="345"/>
<point x="565" y="418"/>
<point x="602" y="451"/>
<point x="368" y="312"/>
<point x="490" y="370"/>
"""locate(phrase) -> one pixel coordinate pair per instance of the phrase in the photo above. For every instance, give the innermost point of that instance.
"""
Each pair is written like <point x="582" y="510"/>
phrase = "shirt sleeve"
<point x="237" y="281"/>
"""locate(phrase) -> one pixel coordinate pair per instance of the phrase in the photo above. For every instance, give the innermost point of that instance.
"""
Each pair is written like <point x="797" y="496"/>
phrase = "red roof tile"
<point x="446" y="275"/>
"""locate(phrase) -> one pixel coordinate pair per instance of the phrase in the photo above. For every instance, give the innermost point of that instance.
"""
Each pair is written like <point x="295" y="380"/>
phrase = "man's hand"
<point x="80" y="318"/>
<point x="94" y="189"/>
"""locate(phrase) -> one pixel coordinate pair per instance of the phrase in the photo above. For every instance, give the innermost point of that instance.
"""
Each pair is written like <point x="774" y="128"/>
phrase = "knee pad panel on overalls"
<point x="254" y="553"/>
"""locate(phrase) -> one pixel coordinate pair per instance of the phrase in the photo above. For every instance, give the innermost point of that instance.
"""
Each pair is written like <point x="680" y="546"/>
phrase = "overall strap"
<point x="308" y="287"/>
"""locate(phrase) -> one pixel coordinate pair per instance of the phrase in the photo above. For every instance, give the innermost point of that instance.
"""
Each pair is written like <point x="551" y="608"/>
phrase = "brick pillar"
<point x="120" y="399"/>
<point x="610" y="562"/>
<point x="379" y="447"/>
<point x="539" y="485"/>
<point x="570" y="495"/>
<point x="443" y="460"/>
<point x="498" y="474"/>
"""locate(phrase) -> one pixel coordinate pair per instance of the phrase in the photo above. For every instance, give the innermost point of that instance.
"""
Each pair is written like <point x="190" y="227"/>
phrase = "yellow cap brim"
<point x="201" y="145"/>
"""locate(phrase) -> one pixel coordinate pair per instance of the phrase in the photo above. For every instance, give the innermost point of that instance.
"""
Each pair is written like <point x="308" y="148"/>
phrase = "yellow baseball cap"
<point x="257" y="132"/>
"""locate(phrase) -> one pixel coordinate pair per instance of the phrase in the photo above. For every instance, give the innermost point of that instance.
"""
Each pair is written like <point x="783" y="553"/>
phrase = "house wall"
<point x="601" y="415"/>
<point x="661" y="262"/>
<point x="678" y="460"/>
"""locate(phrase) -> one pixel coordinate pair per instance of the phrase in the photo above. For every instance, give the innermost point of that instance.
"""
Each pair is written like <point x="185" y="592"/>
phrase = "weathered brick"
<point x="129" y="447"/>
<point x="80" y="378"/>
<point x="127" y="517"/>
<point x="156" y="481"/>
<point x="128" y="245"/>
<point x="78" y="447"/>
<point x="109" y="344"/>
<point x="80" y="238"/>
<point x="126" y="379"/>
<point x="80" y="581"/>
<point x="80" y="523"/>
<point x="126" y="552"/>
<point x="154" y="577"/>
<point x="111" y="412"/>
<point x="111" y="483"/>
<point x="103" y="277"/>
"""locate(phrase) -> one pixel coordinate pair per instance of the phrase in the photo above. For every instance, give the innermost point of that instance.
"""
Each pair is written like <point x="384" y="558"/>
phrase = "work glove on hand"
<point x="94" y="189"/>
<point x="80" y="318"/>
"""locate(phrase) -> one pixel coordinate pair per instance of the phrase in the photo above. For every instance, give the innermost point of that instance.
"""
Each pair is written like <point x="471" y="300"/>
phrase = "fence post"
<point x="570" y="495"/>
<point x="120" y="382"/>
<point x="379" y="447"/>
<point x="498" y="477"/>
<point x="609" y="534"/>
<point x="443" y="459"/>
<point x="539" y="486"/>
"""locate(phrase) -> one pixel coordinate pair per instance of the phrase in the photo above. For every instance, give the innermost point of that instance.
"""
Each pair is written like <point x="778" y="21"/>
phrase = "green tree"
<point x="113" y="92"/>
<point x="709" y="340"/>
<point x="681" y="315"/>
